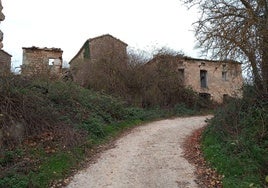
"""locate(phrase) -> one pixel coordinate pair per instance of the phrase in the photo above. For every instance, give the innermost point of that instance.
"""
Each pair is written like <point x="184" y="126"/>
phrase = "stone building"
<point x="2" y="18"/>
<point x="105" y="48"/>
<point x="5" y="62"/>
<point x="216" y="80"/>
<point x="5" y="58"/>
<point x="45" y="61"/>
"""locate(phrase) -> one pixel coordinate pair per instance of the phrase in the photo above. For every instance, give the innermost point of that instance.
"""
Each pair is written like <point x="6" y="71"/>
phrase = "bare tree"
<point x="238" y="30"/>
<point x="107" y="74"/>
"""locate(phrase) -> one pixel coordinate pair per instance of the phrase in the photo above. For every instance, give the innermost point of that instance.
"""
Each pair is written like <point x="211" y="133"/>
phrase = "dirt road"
<point x="149" y="157"/>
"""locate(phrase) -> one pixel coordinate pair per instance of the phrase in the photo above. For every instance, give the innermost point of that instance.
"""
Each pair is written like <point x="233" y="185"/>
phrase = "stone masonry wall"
<point x="5" y="60"/>
<point x="2" y="17"/>
<point x="42" y="61"/>
<point x="217" y="86"/>
<point x="107" y="48"/>
<point x="102" y="48"/>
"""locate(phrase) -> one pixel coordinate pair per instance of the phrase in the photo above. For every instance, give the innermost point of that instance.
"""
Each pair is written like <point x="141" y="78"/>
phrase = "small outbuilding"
<point x="45" y="61"/>
<point x="5" y="62"/>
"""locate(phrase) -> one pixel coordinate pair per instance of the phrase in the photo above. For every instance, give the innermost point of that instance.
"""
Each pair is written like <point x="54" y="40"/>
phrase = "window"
<point x="224" y="75"/>
<point x="181" y="74"/>
<point x="51" y="62"/>
<point x="203" y="78"/>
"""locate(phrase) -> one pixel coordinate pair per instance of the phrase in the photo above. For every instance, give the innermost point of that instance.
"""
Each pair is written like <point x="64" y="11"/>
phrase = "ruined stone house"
<point x="5" y="62"/>
<point x="5" y="58"/>
<point x="216" y="80"/>
<point x="45" y="61"/>
<point x="105" y="48"/>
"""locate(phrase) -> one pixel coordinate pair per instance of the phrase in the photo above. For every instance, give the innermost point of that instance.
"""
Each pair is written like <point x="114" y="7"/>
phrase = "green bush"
<point x="61" y="122"/>
<point x="235" y="142"/>
<point x="181" y="109"/>
<point x="94" y="126"/>
<point x="14" y="181"/>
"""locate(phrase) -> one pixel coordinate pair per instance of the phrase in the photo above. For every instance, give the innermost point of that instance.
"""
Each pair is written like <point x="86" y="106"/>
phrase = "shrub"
<point x="181" y="109"/>
<point x="25" y="110"/>
<point x="236" y="144"/>
<point x="51" y="120"/>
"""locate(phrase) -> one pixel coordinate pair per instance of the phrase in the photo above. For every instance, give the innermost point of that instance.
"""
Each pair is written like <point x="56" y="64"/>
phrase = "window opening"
<point x="224" y="75"/>
<point x="205" y="96"/>
<point x="203" y="78"/>
<point x="51" y="62"/>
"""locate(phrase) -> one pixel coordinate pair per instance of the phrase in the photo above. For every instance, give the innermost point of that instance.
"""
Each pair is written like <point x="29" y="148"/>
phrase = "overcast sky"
<point x="67" y="24"/>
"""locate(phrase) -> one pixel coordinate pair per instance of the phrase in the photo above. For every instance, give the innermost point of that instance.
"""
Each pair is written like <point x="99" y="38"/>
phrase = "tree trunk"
<point x="256" y="75"/>
<point x="264" y="47"/>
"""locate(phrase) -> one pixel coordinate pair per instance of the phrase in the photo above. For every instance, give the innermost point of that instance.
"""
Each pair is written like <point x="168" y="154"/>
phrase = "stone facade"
<point x="2" y="17"/>
<point x="211" y="79"/>
<point x="5" y="58"/>
<point x="103" y="48"/>
<point x="5" y="62"/>
<point x="46" y="61"/>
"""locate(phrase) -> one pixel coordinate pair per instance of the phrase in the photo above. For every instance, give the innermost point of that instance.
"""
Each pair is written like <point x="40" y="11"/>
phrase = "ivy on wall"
<point x="86" y="50"/>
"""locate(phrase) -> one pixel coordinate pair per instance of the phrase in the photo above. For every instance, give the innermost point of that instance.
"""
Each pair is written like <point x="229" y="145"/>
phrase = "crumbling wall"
<point x="46" y="61"/>
<point x="109" y="48"/>
<point x="5" y="62"/>
<point x="219" y="79"/>
<point x="5" y="58"/>
<point x="2" y="17"/>
<point x="105" y="48"/>
<point x="218" y="85"/>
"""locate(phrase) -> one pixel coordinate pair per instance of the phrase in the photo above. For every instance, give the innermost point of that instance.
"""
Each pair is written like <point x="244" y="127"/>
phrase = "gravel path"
<point x="149" y="157"/>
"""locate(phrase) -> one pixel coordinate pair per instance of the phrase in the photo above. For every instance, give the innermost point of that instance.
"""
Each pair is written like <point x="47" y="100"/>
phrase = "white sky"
<point x="67" y="24"/>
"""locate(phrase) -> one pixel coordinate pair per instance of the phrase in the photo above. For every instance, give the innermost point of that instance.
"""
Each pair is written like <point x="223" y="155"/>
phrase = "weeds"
<point x="236" y="144"/>
<point x="48" y="127"/>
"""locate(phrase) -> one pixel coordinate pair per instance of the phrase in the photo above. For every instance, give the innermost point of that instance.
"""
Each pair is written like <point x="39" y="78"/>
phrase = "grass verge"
<point x="236" y="143"/>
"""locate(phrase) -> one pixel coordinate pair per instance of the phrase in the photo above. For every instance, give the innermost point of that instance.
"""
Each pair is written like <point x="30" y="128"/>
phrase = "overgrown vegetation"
<point x="48" y="127"/>
<point x="140" y="82"/>
<point x="236" y="141"/>
<point x="235" y="30"/>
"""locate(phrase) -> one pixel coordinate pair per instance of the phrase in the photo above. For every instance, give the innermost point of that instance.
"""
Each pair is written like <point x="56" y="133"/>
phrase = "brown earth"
<point x="206" y="176"/>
